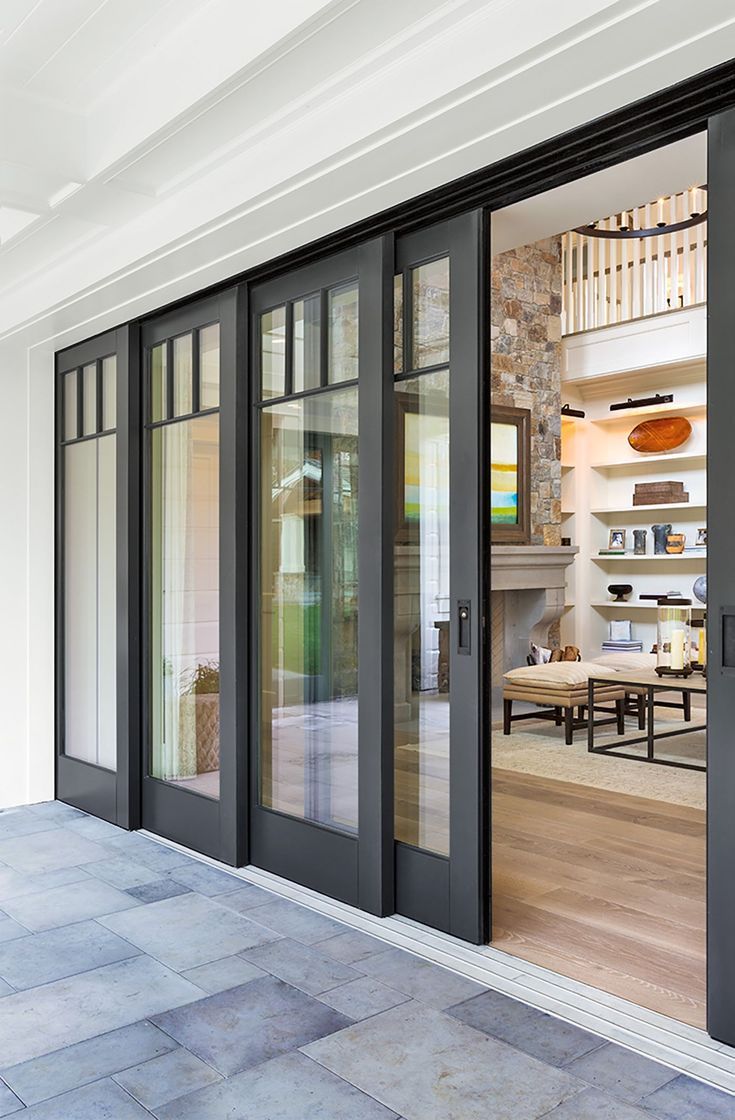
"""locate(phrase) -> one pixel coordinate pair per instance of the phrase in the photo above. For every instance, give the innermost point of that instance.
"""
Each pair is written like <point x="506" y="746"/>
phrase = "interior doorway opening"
<point x="598" y="563"/>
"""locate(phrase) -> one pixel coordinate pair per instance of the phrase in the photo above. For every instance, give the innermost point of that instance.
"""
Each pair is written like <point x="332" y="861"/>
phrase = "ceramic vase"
<point x="660" y="533"/>
<point x="639" y="541"/>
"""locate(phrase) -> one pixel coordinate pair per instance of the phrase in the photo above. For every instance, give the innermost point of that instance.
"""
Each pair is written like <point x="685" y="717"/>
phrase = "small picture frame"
<point x="617" y="540"/>
<point x="701" y="541"/>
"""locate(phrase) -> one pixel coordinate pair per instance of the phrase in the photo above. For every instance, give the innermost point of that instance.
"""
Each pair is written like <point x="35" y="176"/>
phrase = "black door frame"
<point x="113" y="795"/>
<point x="662" y="118"/>
<point x="203" y="823"/>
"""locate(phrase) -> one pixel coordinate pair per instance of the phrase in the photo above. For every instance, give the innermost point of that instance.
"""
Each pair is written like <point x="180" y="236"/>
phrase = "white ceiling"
<point x="626" y="185"/>
<point x="149" y="147"/>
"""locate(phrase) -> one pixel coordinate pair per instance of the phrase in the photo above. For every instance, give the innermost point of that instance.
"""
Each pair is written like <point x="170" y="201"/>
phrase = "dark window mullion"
<point x="195" y="394"/>
<point x="169" y="409"/>
<point x="288" y="373"/>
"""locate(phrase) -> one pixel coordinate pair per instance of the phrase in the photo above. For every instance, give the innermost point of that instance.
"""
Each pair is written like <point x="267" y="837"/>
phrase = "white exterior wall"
<point x="489" y="79"/>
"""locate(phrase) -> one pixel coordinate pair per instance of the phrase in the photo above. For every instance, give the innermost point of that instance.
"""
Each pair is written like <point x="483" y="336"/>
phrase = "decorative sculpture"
<point x="662" y="433"/>
<point x="639" y="541"/>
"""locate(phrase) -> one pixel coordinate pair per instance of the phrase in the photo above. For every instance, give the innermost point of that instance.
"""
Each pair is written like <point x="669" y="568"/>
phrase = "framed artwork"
<point x="617" y="540"/>
<point x="422" y="462"/>
<point x="701" y="541"/>
<point x="510" y="475"/>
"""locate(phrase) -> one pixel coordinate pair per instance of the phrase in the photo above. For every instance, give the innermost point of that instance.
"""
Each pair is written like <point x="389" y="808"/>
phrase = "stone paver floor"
<point x="137" y="982"/>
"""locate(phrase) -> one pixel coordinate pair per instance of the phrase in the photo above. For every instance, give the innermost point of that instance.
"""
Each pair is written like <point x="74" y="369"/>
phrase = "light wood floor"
<point x="603" y="887"/>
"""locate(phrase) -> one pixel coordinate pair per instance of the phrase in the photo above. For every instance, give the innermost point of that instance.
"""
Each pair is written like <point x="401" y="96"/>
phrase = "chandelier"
<point x="626" y="228"/>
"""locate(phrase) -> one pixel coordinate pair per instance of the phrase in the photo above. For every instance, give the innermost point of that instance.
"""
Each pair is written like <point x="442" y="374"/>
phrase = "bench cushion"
<point x="632" y="662"/>
<point x="564" y="675"/>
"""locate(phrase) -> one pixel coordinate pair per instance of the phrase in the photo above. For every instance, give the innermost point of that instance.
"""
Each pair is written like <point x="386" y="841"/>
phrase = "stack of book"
<point x="659" y="493"/>
<point x="613" y="645"/>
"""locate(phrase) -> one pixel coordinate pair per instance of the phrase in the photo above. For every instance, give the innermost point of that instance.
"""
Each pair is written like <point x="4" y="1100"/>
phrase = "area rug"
<point x="537" y="749"/>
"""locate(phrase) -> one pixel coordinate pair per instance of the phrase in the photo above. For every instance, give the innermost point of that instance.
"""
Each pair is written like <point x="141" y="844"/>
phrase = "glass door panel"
<point x="309" y="608"/>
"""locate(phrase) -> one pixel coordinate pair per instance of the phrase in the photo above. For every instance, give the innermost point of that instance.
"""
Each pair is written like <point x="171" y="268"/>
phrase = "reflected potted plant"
<point x="202" y="684"/>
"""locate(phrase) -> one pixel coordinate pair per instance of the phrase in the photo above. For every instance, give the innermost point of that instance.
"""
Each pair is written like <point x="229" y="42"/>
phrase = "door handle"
<point x="464" y="626"/>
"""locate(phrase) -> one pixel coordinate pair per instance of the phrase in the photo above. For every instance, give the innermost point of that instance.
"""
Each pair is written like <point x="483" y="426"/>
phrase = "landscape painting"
<point x="504" y="474"/>
<point x="510" y="472"/>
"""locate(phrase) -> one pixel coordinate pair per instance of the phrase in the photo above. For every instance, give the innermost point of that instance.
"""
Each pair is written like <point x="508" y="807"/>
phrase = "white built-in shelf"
<point x="567" y="467"/>
<point x="639" y="414"/>
<point x="692" y="507"/>
<point x="567" y="513"/>
<point x="677" y="459"/>
<point x="630" y="558"/>
<point x="610" y="604"/>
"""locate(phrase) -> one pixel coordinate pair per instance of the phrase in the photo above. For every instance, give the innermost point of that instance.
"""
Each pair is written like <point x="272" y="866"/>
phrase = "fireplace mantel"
<point x="528" y="567"/>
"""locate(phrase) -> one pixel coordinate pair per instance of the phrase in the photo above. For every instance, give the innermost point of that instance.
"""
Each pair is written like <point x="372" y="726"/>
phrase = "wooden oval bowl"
<point x="662" y="433"/>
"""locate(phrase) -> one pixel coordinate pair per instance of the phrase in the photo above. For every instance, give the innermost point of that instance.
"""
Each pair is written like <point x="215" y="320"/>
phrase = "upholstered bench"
<point x="560" y="688"/>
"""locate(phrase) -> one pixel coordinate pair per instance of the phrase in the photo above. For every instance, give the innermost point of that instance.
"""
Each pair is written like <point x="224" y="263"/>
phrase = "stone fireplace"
<point x="528" y="584"/>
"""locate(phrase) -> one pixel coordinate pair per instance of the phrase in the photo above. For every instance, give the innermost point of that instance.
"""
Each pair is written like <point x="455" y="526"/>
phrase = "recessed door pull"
<point x="464" y="624"/>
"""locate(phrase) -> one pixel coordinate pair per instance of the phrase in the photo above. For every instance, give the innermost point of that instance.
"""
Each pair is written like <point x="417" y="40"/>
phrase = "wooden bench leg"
<point x="620" y="712"/>
<point x="687" y="705"/>
<point x="580" y="712"/>
<point x="507" y="715"/>
<point x="569" y="726"/>
<point x="557" y="717"/>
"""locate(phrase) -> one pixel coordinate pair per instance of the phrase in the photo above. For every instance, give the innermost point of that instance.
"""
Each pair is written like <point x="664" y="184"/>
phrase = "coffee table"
<point x="650" y="683"/>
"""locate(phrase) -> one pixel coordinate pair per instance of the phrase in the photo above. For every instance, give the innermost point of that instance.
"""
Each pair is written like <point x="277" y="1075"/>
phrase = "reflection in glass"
<point x="309" y="608"/>
<point x="343" y="334"/>
<point x="209" y="366"/>
<point x="306" y="337"/>
<point x="89" y="602"/>
<point x="398" y="324"/>
<point x="273" y="353"/>
<point x="184" y="607"/>
<point x="183" y="403"/>
<point x="422" y="636"/>
<point x="109" y="390"/>
<point x="430" y="313"/>
<point x="71" y="418"/>
<point x="89" y="401"/>
<point x="159" y="391"/>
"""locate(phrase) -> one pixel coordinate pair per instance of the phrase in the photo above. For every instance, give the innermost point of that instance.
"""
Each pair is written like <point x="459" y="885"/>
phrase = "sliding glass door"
<point x="187" y="758"/>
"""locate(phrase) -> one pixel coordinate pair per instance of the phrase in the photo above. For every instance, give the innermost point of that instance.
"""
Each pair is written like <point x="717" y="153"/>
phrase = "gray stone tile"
<point x="245" y="898"/>
<point x="298" y="922"/>
<point x="684" y="1098"/>
<point x="230" y="972"/>
<point x="44" y="1019"/>
<point x="424" y="1065"/>
<point x="122" y="872"/>
<point x="549" y="1039"/>
<point x="186" y="931"/>
<point x="304" y="967"/>
<point x="5" y="990"/>
<point x="422" y="980"/>
<point x="13" y="884"/>
<point x="592" y="1104"/>
<point x="9" y="1103"/>
<point x="244" y="1026"/>
<point x="363" y="997"/>
<point x="55" y="810"/>
<point x="104" y="1100"/>
<point x="621" y="1072"/>
<point x="157" y="890"/>
<point x="93" y="828"/>
<point x="140" y="848"/>
<point x="48" y="851"/>
<point x="164" y="1079"/>
<point x="352" y="946"/>
<point x="287" y="1088"/>
<point x="10" y="930"/>
<point x="206" y="880"/>
<point x="61" y="906"/>
<point x="14" y="823"/>
<point x="43" y="957"/>
<point x="84" y="1062"/>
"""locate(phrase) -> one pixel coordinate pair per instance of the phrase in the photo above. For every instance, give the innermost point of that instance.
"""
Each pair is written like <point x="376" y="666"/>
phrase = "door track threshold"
<point x="686" y="1049"/>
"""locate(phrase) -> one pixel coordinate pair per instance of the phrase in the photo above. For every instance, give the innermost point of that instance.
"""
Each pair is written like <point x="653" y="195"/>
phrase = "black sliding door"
<point x="96" y="577"/>
<point x="721" y="580"/>
<point x="440" y="798"/>
<point x="190" y="757"/>
<point x="311" y="697"/>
